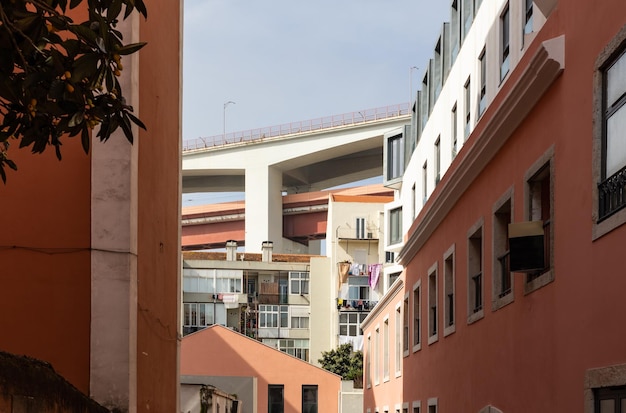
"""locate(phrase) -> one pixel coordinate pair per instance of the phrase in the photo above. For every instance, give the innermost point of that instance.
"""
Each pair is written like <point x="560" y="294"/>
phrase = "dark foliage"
<point x="58" y="77"/>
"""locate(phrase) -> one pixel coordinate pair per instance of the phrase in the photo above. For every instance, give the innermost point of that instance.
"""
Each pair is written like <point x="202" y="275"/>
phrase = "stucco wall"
<point x="250" y="358"/>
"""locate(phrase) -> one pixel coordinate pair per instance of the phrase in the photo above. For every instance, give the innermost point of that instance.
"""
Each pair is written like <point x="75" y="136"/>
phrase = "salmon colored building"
<point x="90" y="245"/>
<point x="264" y="378"/>
<point x="520" y="121"/>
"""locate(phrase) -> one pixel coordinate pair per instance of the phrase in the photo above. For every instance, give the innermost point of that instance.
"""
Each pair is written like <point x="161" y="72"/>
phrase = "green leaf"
<point x="2" y="173"/>
<point x="11" y="164"/>
<point x="114" y="10"/>
<point x="136" y="120"/>
<point x="125" y="124"/>
<point x="85" y="139"/>
<point x="130" y="48"/>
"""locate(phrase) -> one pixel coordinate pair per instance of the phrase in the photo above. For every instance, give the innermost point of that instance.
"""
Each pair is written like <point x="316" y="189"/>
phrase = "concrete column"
<point x="264" y="208"/>
<point x="113" y="359"/>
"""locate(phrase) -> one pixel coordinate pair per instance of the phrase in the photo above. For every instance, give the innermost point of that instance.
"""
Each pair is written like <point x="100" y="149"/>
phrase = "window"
<point x="395" y="225"/>
<point x="432" y="405"/>
<point x="610" y="400"/>
<point x="424" y="103"/>
<point x="468" y="108"/>
<point x="417" y="315"/>
<point x="227" y="281"/>
<point x="393" y="277"/>
<point x="424" y="183"/>
<point x="300" y="322"/>
<point x="270" y="315"/>
<point x="309" y="398"/>
<point x="468" y="16"/>
<point x="390" y="257"/>
<point x="350" y="323"/>
<point x="395" y="156"/>
<point x="448" y="286"/>
<point x="360" y="228"/>
<point x="296" y="347"/>
<point x="368" y="362"/>
<point x="437" y="72"/>
<point x="539" y="208"/>
<point x="299" y="282"/>
<point x="475" y="273"/>
<point x="432" y="304"/>
<point x="504" y="42"/>
<point x="528" y="17"/>
<point x="275" y="398"/>
<point x="377" y="356"/>
<point x="502" y="276"/>
<point x="437" y="161"/>
<point x="358" y="289"/>
<point x="612" y="189"/>
<point x="398" y="340"/>
<point x="405" y="325"/>
<point x="197" y="316"/>
<point x="454" y="128"/>
<point x="482" y="97"/>
<point x="455" y="31"/>
<point x="605" y="389"/>
<point x="386" y="349"/>
<point x="198" y="281"/>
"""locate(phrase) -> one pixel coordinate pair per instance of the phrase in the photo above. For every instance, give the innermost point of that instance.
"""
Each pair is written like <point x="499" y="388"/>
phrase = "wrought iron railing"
<point x="612" y="194"/>
<point x="328" y="122"/>
<point x="547" y="258"/>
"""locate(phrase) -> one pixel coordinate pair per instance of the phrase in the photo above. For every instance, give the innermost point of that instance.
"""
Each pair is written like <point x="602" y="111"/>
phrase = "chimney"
<point x="266" y="250"/>
<point x="231" y="250"/>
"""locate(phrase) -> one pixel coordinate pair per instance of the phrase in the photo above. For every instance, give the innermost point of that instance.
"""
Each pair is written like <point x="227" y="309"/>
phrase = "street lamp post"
<point x="224" y="118"/>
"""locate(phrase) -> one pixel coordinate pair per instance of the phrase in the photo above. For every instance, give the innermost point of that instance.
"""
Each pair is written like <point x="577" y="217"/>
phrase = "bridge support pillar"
<point x="264" y="207"/>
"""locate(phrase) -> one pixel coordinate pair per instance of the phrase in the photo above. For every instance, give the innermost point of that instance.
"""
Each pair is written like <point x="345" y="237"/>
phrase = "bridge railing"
<point x="328" y="122"/>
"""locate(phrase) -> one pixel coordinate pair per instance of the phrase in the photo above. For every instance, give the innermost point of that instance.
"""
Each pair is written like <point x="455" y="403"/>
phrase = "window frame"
<point x="281" y="403"/>
<point x="302" y="280"/>
<point x="417" y="318"/>
<point x="307" y="408"/>
<point x="505" y="42"/>
<point x="500" y="294"/>
<point x="433" y="303"/>
<point x="449" y="286"/>
<point x="544" y="164"/>
<point x="395" y="225"/>
<point x="607" y="57"/>
<point x="475" y="272"/>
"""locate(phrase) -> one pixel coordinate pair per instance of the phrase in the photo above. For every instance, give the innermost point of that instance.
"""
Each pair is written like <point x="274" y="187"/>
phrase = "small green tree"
<point x="58" y="77"/>
<point x="344" y="362"/>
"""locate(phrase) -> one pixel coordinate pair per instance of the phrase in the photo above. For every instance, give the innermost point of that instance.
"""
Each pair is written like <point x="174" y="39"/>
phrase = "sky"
<point x="283" y="61"/>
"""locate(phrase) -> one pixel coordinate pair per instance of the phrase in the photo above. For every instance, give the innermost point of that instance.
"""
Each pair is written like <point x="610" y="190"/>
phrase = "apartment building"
<point x="508" y="218"/>
<point x="287" y="300"/>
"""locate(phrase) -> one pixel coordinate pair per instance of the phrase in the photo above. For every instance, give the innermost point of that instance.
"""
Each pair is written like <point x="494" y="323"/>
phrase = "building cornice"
<point x="500" y="121"/>
<point x="395" y="288"/>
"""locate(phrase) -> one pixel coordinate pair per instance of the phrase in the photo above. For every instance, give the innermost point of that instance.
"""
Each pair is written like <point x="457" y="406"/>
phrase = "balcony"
<point x="612" y="194"/>
<point x="345" y="304"/>
<point x="351" y="234"/>
<point x="270" y="293"/>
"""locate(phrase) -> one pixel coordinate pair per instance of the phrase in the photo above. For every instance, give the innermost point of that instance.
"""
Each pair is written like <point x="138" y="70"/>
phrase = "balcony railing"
<point x="328" y="122"/>
<point x="612" y="194"/>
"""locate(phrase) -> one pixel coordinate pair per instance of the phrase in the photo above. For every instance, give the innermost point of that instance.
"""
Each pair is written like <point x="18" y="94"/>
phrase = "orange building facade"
<point x="276" y="381"/>
<point x="90" y="245"/>
<point x="471" y="326"/>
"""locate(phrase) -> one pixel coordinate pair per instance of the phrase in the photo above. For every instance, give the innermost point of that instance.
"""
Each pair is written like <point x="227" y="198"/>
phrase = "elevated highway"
<point x="294" y="158"/>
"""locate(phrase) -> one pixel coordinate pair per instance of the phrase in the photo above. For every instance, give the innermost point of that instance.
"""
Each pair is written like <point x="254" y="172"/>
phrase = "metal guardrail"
<point x="328" y="122"/>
